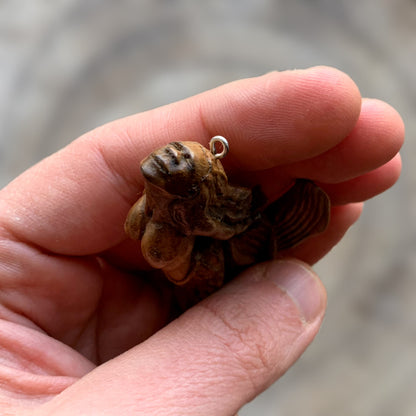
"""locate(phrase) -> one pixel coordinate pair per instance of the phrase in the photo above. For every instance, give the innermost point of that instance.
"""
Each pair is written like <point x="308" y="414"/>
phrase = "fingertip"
<point x="339" y="102"/>
<point x="381" y="116"/>
<point x="333" y="80"/>
<point x="365" y="186"/>
<point x="300" y="114"/>
<point x="395" y="170"/>
<point x="354" y="212"/>
<point x="375" y="139"/>
<point x="339" y="95"/>
<point x="301" y="284"/>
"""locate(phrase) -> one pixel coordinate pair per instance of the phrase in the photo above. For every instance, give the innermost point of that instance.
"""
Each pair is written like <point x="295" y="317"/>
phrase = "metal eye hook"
<point x="225" y="147"/>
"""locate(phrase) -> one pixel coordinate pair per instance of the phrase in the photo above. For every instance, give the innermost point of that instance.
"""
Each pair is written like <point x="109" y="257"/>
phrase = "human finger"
<point x="365" y="186"/>
<point x="376" y="138"/>
<point x="75" y="201"/>
<point x="215" y="357"/>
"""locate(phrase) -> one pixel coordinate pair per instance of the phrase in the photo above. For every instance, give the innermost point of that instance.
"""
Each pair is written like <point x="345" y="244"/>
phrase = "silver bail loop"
<point x="225" y="147"/>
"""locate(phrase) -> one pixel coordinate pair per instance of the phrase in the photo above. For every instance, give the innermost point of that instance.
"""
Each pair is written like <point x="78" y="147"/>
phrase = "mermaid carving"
<point x="201" y="230"/>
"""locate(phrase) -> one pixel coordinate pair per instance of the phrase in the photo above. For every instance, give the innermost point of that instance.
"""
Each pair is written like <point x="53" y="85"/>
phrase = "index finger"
<point x="75" y="201"/>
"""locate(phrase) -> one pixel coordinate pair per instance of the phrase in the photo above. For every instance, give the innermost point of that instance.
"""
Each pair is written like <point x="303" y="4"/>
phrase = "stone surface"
<point x="66" y="67"/>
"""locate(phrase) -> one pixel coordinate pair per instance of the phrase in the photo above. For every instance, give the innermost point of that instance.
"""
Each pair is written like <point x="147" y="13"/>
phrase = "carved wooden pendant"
<point x="201" y="231"/>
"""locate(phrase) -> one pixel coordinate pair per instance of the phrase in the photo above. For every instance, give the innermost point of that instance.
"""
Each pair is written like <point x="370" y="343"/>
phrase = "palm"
<point x="101" y="311"/>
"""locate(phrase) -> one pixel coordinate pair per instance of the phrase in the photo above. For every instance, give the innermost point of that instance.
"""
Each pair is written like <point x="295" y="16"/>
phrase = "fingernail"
<point x="301" y="284"/>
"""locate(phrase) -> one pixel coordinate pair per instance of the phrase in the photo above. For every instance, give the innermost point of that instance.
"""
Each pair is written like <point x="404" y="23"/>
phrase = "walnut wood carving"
<point x="201" y="231"/>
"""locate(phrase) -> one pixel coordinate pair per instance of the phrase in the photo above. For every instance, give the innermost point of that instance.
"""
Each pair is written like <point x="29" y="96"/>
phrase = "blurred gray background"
<point x="68" y="66"/>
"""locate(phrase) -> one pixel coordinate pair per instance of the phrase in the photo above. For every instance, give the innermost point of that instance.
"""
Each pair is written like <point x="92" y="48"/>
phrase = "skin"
<point x="75" y="291"/>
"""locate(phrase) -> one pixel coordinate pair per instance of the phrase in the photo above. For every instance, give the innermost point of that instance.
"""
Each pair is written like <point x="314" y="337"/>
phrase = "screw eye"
<point x="225" y="147"/>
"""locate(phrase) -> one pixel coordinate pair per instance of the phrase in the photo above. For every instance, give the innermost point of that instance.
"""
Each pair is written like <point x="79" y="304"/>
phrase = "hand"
<point x="75" y="292"/>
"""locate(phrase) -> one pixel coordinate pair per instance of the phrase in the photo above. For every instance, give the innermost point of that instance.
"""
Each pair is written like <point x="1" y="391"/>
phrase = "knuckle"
<point x="246" y="344"/>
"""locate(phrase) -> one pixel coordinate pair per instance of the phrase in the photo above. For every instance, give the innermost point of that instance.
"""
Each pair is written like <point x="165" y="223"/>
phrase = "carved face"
<point x="181" y="168"/>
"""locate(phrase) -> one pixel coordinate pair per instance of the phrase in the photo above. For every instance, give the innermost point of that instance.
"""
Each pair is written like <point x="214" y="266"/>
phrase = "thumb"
<point x="215" y="357"/>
